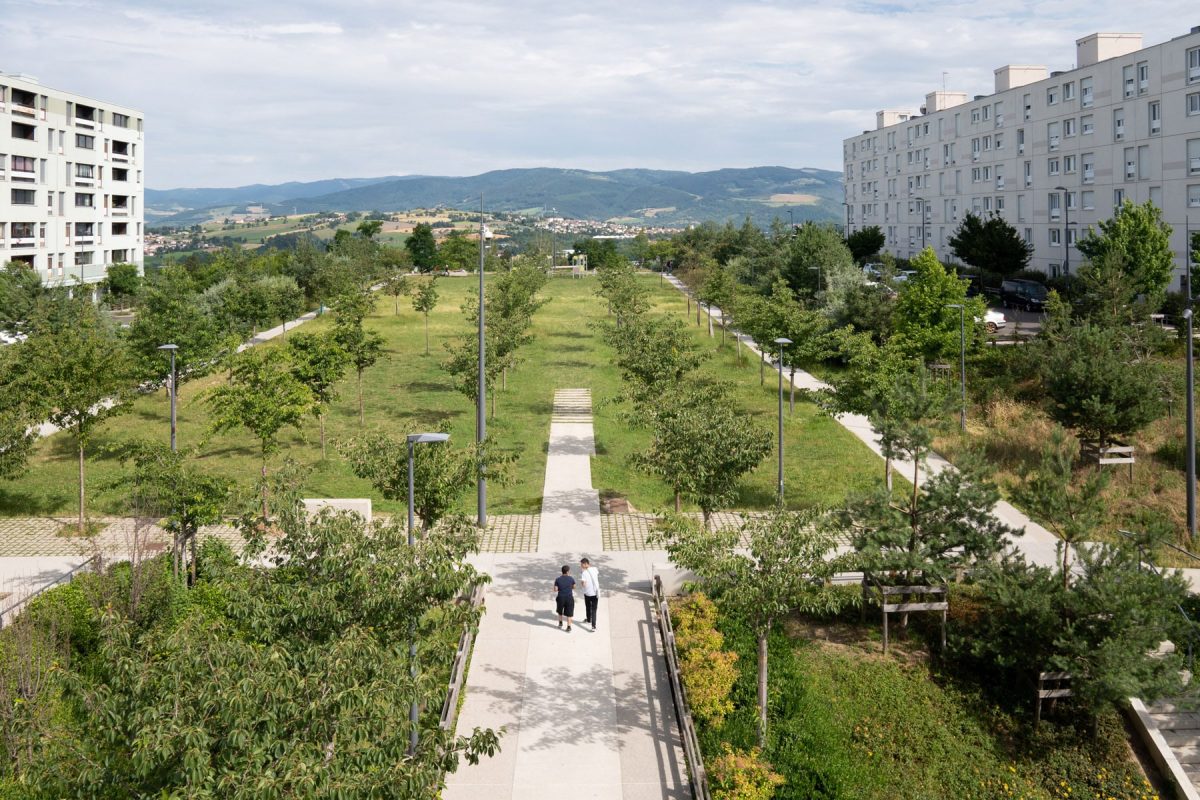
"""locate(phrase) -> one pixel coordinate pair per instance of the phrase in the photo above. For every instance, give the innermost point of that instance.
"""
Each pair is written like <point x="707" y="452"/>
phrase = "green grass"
<point x="408" y="391"/>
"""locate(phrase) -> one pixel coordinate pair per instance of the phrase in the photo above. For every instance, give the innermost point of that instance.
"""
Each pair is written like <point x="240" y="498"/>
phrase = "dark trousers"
<point x="590" y="601"/>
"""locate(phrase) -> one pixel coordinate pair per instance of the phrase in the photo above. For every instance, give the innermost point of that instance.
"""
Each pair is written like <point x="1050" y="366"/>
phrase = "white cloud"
<point x="238" y="93"/>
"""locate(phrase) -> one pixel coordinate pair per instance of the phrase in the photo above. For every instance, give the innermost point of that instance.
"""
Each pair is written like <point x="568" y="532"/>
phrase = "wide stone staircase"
<point x="1178" y="723"/>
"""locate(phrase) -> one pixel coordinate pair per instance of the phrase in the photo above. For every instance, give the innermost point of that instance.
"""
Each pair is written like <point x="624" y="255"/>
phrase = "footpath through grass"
<point x="408" y="391"/>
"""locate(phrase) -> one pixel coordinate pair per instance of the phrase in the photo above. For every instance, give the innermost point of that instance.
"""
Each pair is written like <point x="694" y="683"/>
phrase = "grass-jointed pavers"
<point x="408" y="392"/>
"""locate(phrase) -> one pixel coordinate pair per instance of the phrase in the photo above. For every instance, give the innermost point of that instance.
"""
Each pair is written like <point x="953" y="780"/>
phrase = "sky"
<point x="266" y="91"/>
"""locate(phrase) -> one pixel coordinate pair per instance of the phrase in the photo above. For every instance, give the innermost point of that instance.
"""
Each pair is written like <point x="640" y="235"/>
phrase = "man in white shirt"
<point x="589" y="576"/>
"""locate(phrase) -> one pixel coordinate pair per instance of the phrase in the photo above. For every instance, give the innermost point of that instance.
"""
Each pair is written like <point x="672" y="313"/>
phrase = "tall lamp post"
<point x="962" y="362"/>
<point x="1191" y="392"/>
<point x="480" y="420"/>
<point x="174" y="379"/>
<point x="414" y="709"/>
<point x="792" y="220"/>
<point x="1066" y="230"/>
<point x="921" y="200"/>
<point x="782" y="342"/>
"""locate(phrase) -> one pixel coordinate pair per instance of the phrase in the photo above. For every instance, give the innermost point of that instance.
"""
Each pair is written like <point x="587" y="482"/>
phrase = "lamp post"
<point x="962" y="362"/>
<point x="791" y="220"/>
<point x="174" y="379"/>
<point x="1191" y="394"/>
<point x="921" y="200"/>
<point x="817" y="269"/>
<point x="782" y="342"/>
<point x="480" y="420"/>
<point x="414" y="709"/>
<point x="1066" y="230"/>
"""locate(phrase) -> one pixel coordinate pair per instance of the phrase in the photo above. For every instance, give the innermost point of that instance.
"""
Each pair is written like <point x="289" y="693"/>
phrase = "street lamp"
<point x="481" y="389"/>
<point x="1066" y="230"/>
<point x="817" y="269"/>
<point x="962" y="361"/>
<point x="792" y="220"/>
<point x="921" y="200"/>
<point x="782" y="342"/>
<point x="413" y="439"/>
<point x="174" y="379"/>
<point x="1191" y="402"/>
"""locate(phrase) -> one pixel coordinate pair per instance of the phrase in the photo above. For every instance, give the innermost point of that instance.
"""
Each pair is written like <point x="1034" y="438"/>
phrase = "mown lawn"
<point x="408" y="391"/>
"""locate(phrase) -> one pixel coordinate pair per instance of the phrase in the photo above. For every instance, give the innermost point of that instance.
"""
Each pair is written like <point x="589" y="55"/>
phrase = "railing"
<point x="687" y="728"/>
<point x="1143" y="558"/>
<point x="458" y="669"/>
<point x="86" y="565"/>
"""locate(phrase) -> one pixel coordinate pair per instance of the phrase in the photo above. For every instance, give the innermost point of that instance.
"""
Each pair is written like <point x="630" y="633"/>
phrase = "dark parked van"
<point x="1027" y="295"/>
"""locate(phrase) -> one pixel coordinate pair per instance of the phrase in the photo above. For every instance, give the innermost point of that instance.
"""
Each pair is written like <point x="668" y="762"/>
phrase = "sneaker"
<point x="593" y="627"/>
<point x="568" y="629"/>
<point x="560" y="623"/>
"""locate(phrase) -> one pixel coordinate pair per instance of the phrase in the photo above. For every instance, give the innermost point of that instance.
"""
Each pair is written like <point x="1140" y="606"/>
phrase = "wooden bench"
<point x="1051" y="686"/>
<point x="886" y="592"/>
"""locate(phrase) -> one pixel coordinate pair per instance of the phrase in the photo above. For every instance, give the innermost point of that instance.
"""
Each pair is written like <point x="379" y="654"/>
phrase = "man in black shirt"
<point x="564" y="596"/>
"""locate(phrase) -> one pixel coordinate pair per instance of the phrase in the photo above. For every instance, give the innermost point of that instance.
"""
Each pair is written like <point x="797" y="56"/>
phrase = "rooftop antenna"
<point x="944" y="74"/>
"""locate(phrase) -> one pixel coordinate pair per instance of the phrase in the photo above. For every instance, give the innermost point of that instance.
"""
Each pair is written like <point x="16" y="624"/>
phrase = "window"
<point x="1156" y="196"/>
<point x="1052" y="96"/>
<point x="22" y="164"/>
<point x="1052" y="166"/>
<point x="974" y="115"/>
<point x="1118" y="123"/>
<point x="987" y="143"/>
<point x="1130" y="163"/>
<point x="1055" y="237"/>
<point x="1127" y="76"/>
<point x="83" y="258"/>
<point x="1193" y="156"/>
<point x="1088" y="198"/>
<point x="85" y="141"/>
<point x="1143" y="76"/>
<point x="20" y="130"/>
<point x="1029" y="173"/>
<point x="1194" y="195"/>
<point x="1193" y="104"/>
<point x="1143" y="158"/>
<point x="999" y="141"/>
<point x="1028" y="103"/>
<point x="1193" y="59"/>
<point x="1072" y="235"/>
<point x="86" y="171"/>
<point x="1020" y="140"/>
<point x="999" y="114"/>
<point x="1054" y="203"/>
<point x="120" y="120"/>
<point x="1118" y="197"/>
<point x="85" y="228"/>
<point x="120" y="228"/>
<point x="1069" y="126"/>
<point x="1155" y="117"/>
<point x="84" y="200"/>
<point x="24" y="197"/>
<point x="1069" y="91"/>
<point x="1052" y="134"/>
<point x="1086" y="96"/>
<point x="1087" y="124"/>
<point x="999" y="202"/>
<point x="1068" y="164"/>
<point x="119" y="174"/>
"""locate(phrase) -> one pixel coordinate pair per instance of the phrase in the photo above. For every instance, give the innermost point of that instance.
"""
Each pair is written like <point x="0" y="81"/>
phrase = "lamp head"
<point x="424" y="438"/>
<point x="168" y="347"/>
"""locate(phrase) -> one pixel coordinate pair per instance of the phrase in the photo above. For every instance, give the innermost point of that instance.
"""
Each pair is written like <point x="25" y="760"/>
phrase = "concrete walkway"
<point x="586" y="714"/>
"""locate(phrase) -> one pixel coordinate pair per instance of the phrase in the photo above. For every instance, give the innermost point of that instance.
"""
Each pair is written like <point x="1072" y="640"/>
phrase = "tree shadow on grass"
<point x="576" y="364"/>
<point x="19" y="503"/>
<point x="426" y="386"/>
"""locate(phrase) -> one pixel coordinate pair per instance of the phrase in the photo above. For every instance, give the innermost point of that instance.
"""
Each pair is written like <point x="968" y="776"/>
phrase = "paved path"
<point x="587" y="714"/>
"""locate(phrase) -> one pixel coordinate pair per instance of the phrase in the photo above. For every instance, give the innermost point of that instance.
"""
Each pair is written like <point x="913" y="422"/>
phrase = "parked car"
<point x="904" y="275"/>
<point x="1024" y="294"/>
<point x="994" y="320"/>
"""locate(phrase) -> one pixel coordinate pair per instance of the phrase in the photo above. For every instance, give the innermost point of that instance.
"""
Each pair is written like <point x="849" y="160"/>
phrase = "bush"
<point x="69" y="612"/>
<point x="708" y="671"/>
<point x="740" y="775"/>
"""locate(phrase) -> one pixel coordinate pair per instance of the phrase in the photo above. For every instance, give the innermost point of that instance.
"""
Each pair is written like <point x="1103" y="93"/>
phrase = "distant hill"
<point x="636" y="196"/>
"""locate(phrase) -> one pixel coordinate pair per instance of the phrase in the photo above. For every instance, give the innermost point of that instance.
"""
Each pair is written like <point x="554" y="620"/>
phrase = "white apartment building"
<point x="1051" y="153"/>
<point x="70" y="182"/>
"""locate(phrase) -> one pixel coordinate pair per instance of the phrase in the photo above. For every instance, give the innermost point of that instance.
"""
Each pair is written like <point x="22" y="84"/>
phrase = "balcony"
<point x="999" y="183"/>
<point x="1088" y="176"/>
<point x="1054" y="142"/>
<point x="22" y="241"/>
<point x="1194" y="166"/>
<point x="1055" y="214"/>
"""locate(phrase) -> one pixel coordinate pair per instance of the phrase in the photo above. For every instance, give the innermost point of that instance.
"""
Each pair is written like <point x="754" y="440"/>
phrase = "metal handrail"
<point x="687" y="728"/>
<point x="1144" y="559"/>
<point x="458" y="669"/>
<point x="56" y="582"/>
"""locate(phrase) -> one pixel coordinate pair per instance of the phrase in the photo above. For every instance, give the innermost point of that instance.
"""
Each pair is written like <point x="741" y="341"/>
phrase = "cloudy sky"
<point x="270" y="91"/>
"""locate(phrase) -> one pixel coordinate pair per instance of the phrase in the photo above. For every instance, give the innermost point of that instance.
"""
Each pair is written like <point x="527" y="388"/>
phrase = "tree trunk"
<point x="504" y="378"/>
<point x="678" y="502"/>
<point x="707" y="512"/>
<point x="82" y="530"/>
<point x="360" y="400"/>
<point x="887" y="473"/>
<point x="689" y="304"/>
<point x="285" y="330"/>
<point x="426" y="333"/>
<point x="792" y="391"/>
<point x="396" y="300"/>
<point x="723" y="326"/>
<point x="264" y="487"/>
<point x="193" y="537"/>
<point x="762" y="688"/>
<point x="321" y="416"/>
<point x="916" y="470"/>
<point x="710" y="329"/>
<point x="493" y="405"/>
<point x="762" y="369"/>
<point x="697" y="313"/>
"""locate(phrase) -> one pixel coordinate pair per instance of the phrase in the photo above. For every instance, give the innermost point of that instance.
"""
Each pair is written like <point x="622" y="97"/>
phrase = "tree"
<point x="20" y="290"/>
<point x="370" y="228"/>
<point x="441" y="474"/>
<point x="457" y="252"/>
<point x="262" y="396"/>
<point x="780" y="570"/>
<point x="719" y="289"/>
<point x="123" y="282"/>
<point x="654" y="355"/>
<point x="990" y="244"/>
<point x="397" y="284"/>
<point x="702" y="445"/>
<point x="425" y="300"/>
<point x="77" y="365"/>
<point x="362" y="347"/>
<point x="819" y="264"/>
<point x="318" y="362"/>
<point x="865" y="243"/>
<point x="170" y="311"/>
<point x="423" y="248"/>
<point x="1138" y="234"/>
<point x="925" y="327"/>
<point x="1105" y="293"/>
<point x="20" y="415"/>
<point x="284" y="298"/>
<point x="869" y="309"/>
<point x="1098" y="384"/>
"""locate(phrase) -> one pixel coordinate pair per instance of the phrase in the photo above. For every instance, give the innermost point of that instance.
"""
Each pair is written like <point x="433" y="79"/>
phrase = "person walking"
<point x="564" y="596"/>
<point x="590" y="577"/>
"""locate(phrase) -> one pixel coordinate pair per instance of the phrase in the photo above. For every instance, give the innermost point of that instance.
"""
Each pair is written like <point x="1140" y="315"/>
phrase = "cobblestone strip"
<point x="512" y="533"/>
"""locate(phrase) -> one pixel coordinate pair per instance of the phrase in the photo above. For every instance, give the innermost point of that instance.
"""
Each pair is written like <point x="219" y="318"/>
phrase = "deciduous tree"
<point x="423" y="248"/>
<point x="990" y="244"/>
<point x="1138" y="234"/>
<point x="865" y="243"/>
<point x="425" y="299"/>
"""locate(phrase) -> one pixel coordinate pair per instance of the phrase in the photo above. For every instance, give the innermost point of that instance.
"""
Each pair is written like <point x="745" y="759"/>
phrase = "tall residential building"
<point x="70" y="182"/>
<point x="1050" y="153"/>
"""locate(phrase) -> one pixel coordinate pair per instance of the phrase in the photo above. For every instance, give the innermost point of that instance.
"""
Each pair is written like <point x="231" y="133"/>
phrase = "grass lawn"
<point x="408" y="391"/>
<point x="848" y="722"/>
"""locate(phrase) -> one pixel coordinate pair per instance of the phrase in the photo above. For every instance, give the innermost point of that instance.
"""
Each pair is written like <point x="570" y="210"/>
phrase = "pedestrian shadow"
<point x="537" y="618"/>
<point x="533" y="576"/>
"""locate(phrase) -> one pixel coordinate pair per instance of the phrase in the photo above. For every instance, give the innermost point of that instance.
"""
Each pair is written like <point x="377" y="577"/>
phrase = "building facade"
<point x="71" y="182"/>
<point x="1051" y="153"/>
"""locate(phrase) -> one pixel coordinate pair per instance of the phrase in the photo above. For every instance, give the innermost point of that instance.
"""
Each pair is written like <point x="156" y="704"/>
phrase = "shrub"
<point x="69" y="612"/>
<point x="741" y="775"/>
<point x="708" y="671"/>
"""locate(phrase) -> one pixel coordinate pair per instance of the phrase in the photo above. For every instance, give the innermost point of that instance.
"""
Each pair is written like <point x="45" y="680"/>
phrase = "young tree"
<point x="361" y="346"/>
<point x="77" y="365"/>
<point x="284" y="297"/>
<point x="1138" y="234"/>
<point x="171" y="311"/>
<point x="424" y="300"/>
<point x="779" y="571"/>
<point x="458" y="252"/>
<point x="370" y="228"/>
<point x="719" y="289"/>
<point x="702" y="445"/>
<point x="924" y="326"/>
<point x="318" y="362"/>
<point x="1105" y="292"/>
<point x="865" y="244"/>
<point x="20" y="414"/>
<point x="123" y="282"/>
<point x="820" y="265"/>
<point x="423" y="248"/>
<point x="397" y="284"/>
<point x="262" y="396"/>
<point x="654" y="355"/>
<point x="1098" y="384"/>
<point x="20" y="290"/>
<point x="991" y="244"/>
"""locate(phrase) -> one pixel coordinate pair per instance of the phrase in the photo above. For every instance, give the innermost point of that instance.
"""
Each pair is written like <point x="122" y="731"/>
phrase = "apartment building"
<point x="1050" y="152"/>
<point x="71" y="182"/>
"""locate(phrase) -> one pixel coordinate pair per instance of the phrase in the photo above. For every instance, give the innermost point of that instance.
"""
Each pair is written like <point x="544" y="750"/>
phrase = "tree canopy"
<point x="1139" y="236"/>
<point x="990" y="243"/>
